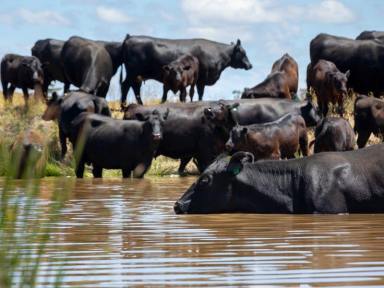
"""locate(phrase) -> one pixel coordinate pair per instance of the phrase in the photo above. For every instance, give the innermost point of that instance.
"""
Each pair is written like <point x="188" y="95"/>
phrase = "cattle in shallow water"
<point x="362" y="57"/>
<point x="180" y="74"/>
<point x="274" y="140"/>
<point x="282" y="82"/>
<point x="24" y="72"/>
<point x="369" y="118"/>
<point x="328" y="182"/>
<point x="144" y="58"/>
<point x="329" y="84"/>
<point x="108" y="143"/>
<point x="334" y="134"/>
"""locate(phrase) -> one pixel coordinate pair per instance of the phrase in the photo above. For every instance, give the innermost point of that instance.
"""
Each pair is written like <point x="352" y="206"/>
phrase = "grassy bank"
<point x="16" y="120"/>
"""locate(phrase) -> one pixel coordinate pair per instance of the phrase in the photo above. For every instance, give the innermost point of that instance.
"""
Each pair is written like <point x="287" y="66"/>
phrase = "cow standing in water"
<point x="329" y="84"/>
<point x="144" y="58"/>
<point x="179" y="74"/>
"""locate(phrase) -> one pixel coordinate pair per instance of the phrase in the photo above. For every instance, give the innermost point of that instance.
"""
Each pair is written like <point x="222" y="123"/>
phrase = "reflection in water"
<point x="123" y="232"/>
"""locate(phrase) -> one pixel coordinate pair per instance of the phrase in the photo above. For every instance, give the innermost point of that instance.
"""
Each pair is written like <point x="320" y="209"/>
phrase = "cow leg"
<point x="127" y="172"/>
<point x="4" y="84"/>
<point x="200" y="91"/>
<point x="26" y="95"/>
<point x="80" y="168"/>
<point x="66" y="87"/>
<point x="183" y="164"/>
<point x="136" y="85"/>
<point x="143" y="168"/>
<point x="362" y="138"/>
<point x="10" y="92"/>
<point x="97" y="171"/>
<point x="63" y="143"/>
<point x="183" y="94"/>
<point x="325" y="109"/>
<point x="303" y="142"/>
<point x="192" y="92"/>
<point x="124" y="86"/>
<point x="165" y="93"/>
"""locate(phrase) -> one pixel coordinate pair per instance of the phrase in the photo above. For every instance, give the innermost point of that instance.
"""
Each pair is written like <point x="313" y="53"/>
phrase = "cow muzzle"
<point x="156" y="136"/>
<point x="181" y="207"/>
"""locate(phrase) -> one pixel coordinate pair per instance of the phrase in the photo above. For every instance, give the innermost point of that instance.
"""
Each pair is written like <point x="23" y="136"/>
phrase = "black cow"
<point x="190" y="131"/>
<point x="23" y="72"/>
<point x="145" y="56"/>
<point x="371" y="35"/>
<point x="68" y="107"/>
<point x="333" y="134"/>
<point x="369" y="118"/>
<point x="364" y="58"/>
<point x="87" y="65"/>
<point x="329" y="182"/>
<point x="108" y="143"/>
<point x="49" y="53"/>
<point x="115" y="50"/>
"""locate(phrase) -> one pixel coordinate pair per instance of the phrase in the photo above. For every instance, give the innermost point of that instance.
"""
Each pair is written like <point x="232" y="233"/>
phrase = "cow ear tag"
<point x="234" y="168"/>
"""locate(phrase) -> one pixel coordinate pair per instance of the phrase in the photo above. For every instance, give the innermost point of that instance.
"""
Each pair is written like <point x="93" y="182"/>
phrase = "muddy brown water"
<point x="122" y="233"/>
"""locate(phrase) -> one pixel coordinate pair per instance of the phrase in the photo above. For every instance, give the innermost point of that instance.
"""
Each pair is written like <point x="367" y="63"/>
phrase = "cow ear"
<point x="348" y="73"/>
<point x="236" y="164"/>
<point x="238" y="42"/>
<point x="187" y="67"/>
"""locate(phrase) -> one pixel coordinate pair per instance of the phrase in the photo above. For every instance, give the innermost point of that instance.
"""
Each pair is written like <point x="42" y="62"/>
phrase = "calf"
<point x="180" y="73"/>
<point x="333" y="134"/>
<point x="369" y="118"/>
<point x="274" y="140"/>
<point x="23" y="72"/>
<point x="329" y="182"/>
<point x="282" y="82"/>
<point x="66" y="109"/>
<point x="108" y="143"/>
<point x="329" y="84"/>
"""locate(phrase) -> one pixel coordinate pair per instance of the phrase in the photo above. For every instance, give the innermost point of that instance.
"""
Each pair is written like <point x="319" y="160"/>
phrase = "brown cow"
<point x="329" y="84"/>
<point x="282" y="82"/>
<point x="274" y="140"/>
<point x="369" y="118"/>
<point x="179" y="74"/>
<point x="333" y="134"/>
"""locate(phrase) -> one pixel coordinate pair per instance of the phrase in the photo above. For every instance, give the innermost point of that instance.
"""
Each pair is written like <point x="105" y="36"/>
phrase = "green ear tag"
<point x="236" y="171"/>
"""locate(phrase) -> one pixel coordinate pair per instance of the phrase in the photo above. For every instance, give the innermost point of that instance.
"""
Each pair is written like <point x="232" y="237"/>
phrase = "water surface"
<point x="119" y="233"/>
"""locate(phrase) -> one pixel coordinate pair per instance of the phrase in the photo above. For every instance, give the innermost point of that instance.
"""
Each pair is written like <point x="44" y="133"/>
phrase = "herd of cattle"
<point x="228" y="140"/>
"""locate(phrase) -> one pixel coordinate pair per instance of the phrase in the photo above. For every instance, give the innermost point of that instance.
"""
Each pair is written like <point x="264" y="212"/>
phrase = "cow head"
<point x="239" y="59"/>
<point x="338" y="82"/>
<point x="237" y="136"/>
<point x="173" y="73"/>
<point x="213" y="192"/>
<point x="222" y="115"/>
<point x="53" y="109"/>
<point x="153" y="124"/>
